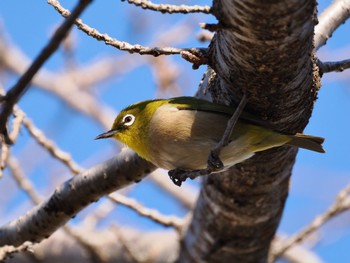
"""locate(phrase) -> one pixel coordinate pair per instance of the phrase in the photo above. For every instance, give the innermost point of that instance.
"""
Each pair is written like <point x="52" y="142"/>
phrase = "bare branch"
<point x="104" y="208"/>
<point x="330" y="19"/>
<point x="152" y="214"/>
<point x="341" y="204"/>
<point x="125" y="46"/>
<point x="22" y="181"/>
<point x="5" y="149"/>
<point x="72" y="196"/>
<point x="148" y="246"/>
<point x="50" y="146"/>
<point x="62" y="84"/>
<point x="74" y="81"/>
<point x="17" y="91"/>
<point x="296" y="254"/>
<point x="16" y="124"/>
<point x="165" y="8"/>
<point x="128" y="248"/>
<point x="225" y="139"/>
<point x="337" y="66"/>
<point x="28" y="188"/>
<point x="93" y="251"/>
<point x="4" y="156"/>
<point x="8" y="251"/>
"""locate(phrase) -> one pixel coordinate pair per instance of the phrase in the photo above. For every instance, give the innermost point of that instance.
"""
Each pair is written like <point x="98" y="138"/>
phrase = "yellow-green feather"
<point x="136" y="136"/>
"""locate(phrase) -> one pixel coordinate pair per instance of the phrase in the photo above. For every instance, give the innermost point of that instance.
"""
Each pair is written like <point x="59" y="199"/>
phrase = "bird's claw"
<point x="178" y="176"/>
<point x="214" y="162"/>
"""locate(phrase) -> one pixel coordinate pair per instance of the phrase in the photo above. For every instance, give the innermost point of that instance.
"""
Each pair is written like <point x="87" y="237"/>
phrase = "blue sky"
<point x="317" y="177"/>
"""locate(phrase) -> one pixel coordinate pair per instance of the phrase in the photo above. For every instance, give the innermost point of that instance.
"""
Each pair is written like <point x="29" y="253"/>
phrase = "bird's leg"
<point x="214" y="162"/>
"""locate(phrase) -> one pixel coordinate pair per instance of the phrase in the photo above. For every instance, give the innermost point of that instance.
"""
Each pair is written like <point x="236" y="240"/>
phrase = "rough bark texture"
<point x="265" y="49"/>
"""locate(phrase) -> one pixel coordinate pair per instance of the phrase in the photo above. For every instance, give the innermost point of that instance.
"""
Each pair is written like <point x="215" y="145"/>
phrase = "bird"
<point x="179" y="133"/>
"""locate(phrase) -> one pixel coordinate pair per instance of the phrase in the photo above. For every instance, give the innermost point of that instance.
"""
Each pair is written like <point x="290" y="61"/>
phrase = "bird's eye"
<point x="128" y="119"/>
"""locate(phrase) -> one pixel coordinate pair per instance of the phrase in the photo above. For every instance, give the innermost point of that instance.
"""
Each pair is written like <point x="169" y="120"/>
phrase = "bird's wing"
<point x="191" y="103"/>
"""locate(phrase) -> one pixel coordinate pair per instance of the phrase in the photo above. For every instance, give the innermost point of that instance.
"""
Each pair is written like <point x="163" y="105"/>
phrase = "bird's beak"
<point x="108" y="134"/>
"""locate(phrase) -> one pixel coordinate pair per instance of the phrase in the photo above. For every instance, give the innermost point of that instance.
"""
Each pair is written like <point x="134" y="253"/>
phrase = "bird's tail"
<point x="308" y="142"/>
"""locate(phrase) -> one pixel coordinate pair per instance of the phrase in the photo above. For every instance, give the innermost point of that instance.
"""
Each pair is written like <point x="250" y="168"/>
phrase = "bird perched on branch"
<point x="179" y="133"/>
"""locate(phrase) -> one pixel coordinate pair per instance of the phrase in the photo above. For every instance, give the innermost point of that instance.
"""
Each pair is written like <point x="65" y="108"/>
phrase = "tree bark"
<point x="264" y="49"/>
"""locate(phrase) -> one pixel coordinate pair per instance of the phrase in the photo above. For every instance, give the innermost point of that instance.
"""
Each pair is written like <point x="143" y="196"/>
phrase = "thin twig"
<point x="16" y="124"/>
<point x="5" y="149"/>
<point x="341" y="204"/>
<point x="337" y="66"/>
<point x="165" y="8"/>
<point x="50" y="146"/>
<point x="128" y="248"/>
<point x="105" y="207"/>
<point x="17" y="91"/>
<point x="296" y="254"/>
<point x="214" y="154"/>
<point x="94" y="253"/>
<point x="193" y="55"/>
<point x="152" y="214"/>
<point x="330" y="19"/>
<point x="22" y="181"/>
<point x="4" y="156"/>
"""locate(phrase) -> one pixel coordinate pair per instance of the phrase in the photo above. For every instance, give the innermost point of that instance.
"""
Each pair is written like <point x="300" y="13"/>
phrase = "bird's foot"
<point x="178" y="176"/>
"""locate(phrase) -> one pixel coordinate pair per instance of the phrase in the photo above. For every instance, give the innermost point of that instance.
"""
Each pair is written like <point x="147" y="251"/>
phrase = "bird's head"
<point x="131" y="126"/>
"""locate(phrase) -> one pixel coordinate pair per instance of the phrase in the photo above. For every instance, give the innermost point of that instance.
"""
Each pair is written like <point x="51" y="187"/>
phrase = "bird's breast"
<point x="183" y="139"/>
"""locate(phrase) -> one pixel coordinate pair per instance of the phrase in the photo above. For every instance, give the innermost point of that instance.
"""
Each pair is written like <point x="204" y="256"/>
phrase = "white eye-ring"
<point x="128" y="119"/>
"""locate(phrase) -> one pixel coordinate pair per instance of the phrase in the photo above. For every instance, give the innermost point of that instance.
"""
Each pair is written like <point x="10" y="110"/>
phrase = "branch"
<point x="341" y="204"/>
<point x="29" y="189"/>
<point x="337" y="66"/>
<point x="330" y="19"/>
<point x="50" y="146"/>
<point x="129" y="248"/>
<point x="16" y="92"/>
<point x="148" y="246"/>
<point x="22" y="181"/>
<point x="152" y="214"/>
<point x="7" y="252"/>
<point x="296" y="254"/>
<point x="73" y="195"/>
<point x="5" y="149"/>
<point x="193" y="55"/>
<point x="165" y="8"/>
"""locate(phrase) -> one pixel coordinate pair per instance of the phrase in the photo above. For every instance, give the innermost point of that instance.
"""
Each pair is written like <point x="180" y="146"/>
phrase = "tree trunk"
<point x="265" y="49"/>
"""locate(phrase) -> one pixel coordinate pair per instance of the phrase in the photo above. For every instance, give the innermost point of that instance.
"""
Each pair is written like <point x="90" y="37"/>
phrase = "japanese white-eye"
<point x="180" y="133"/>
